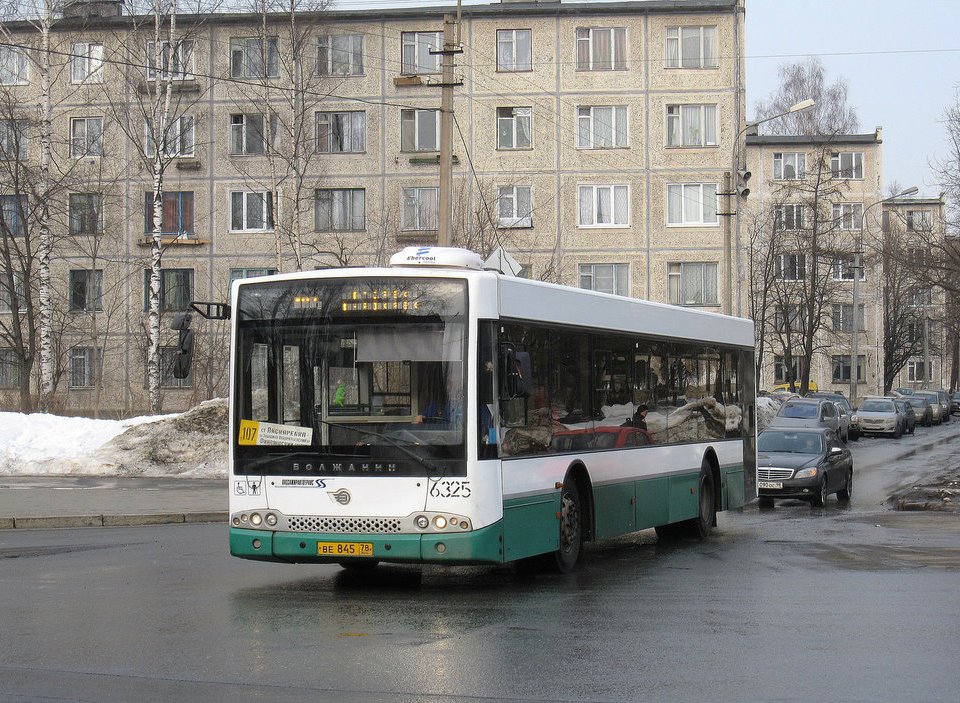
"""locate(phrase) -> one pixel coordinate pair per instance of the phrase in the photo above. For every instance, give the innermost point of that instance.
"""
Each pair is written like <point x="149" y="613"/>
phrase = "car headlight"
<point x="855" y="418"/>
<point x="806" y="473"/>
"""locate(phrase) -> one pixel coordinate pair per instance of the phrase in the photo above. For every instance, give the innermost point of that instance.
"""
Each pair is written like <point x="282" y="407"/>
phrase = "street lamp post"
<point x="857" y="269"/>
<point x="731" y="191"/>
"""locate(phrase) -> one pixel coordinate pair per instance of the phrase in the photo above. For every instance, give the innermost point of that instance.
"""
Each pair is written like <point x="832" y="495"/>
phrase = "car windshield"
<point x="929" y="397"/>
<point x="878" y="406"/>
<point x="790" y="442"/>
<point x="916" y="402"/>
<point x="799" y="410"/>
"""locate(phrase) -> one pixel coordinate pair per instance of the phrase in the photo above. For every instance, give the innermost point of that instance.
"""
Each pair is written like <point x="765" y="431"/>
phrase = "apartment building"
<point x="590" y="141"/>
<point x="814" y="205"/>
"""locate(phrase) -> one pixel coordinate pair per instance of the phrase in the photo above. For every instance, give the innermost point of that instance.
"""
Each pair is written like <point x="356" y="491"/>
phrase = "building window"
<point x="13" y="140"/>
<point x="915" y="331"/>
<point x="841" y="368"/>
<point x="86" y="137"/>
<point x="168" y="361"/>
<point x="420" y="208"/>
<point x="177" y="216"/>
<point x="692" y="204"/>
<point x="254" y="57"/>
<point x="340" y="210"/>
<point x="415" y="52"/>
<point x="601" y="127"/>
<point x="178" y="139"/>
<point x="251" y="211"/>
<point x="919" y="221"/>
<point x="7" y="295"/>
<point x="514" y="50"/>
<point x="843" y="318"/>
<point x="176" y="60"/>
<point x="791" y="267"/>
<point x="86" y="290"/>
<point x="237" y="274"/>
<point x="692" y="283"/>
<point x="9" y="369"/>
<point x="606" y="278"/>
<point x="86" y="63"/>
<point x="780" y="369"/>
<point x="601" y="49"/>
<point x="84" y="370"/>
<point x="846" y="164"/>
<point x="340" y="55"/>
<point x="515" y="206"/>
<point x="691" y="47"/>
<point x="915" y="372"/>
<point x="789" y="166"/>
<point x="604" y="206"/>
<point x="13" y="66"/>
<point x="419" y="130"/>
<point x="251" y="134"/>
<point x="787" y="317"/>
<point x="341" y="132"/>
<point x="920" y="297"/>
<point x="691" y="125"/>
<point x="86" y="213"/>
<point x="13" y="214"/>
<point x="176" y="289"/>
<point x="789" y="217"/>
<point x="843" y="269"/>
<point x="514" y="127"/>
<point x="847" y="215"/>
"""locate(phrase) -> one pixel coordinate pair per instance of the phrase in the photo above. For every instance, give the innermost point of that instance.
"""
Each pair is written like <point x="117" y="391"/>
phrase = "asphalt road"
<point x="853" y="603"/>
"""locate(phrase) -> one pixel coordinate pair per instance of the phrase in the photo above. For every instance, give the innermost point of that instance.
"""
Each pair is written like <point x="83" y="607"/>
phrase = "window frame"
<point x="588" y="121"/>
<point x="413" y="39"/>
<point x="331" y="215"/>
<point x="177" y="125"/>
<point x="843" y="362"/>
<point x="844" y="212"/>
<point x="799" y="165"/>
<point x="416" y="193"/>
<point x="91" y="303"/>
<point x="702" y="60"/>
<point x="913" y="376"/>
<point x="346" y="133"/>
<point x="269" y="50"/>
<point x="840" y="265"/>
<point x="405" y="120"/>
<point x="13" y="139"/>
<point x="840" y="317"/>
<point x="514" y="119"/>
<point x="678" y="122"/>
<point x="267" y="210"/>
<point x="19" y="205"/>
<point x="517" y="66"/>
<point x="856" y="167"/>
<point x="165" y="304"/>
<point x="784" y="221"/>
<point x="11" y="369"/>
<point x="240" y="133"/>
<point x="91" y="148"/>
<point x="75" y="214"/>
<point x="18" y="74"/>
<point x="677" y="274"/>
<point x="327" y="53"/>
<point x="620" y="273"/>
<point x="510" y="194"/>
<point x="182" y="198"/>
<point x="592" y="63"/>
<point x="86" y="63"/>
<point x="184" y="49"/>
<point x="926" y="217"/>
<point x="596" y="189"/>
<point x="19" y="288"/>
<point x="791" y="266"/>
<point x="92" y="367"/>
<point x="702" y="221"/>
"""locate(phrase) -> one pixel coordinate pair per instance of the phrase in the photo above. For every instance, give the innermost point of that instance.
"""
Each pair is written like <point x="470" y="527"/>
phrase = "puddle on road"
<point x="862" y="557"/>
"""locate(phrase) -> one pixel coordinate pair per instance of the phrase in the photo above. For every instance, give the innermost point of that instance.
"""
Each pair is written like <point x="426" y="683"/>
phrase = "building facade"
<point x="590" y="141"/>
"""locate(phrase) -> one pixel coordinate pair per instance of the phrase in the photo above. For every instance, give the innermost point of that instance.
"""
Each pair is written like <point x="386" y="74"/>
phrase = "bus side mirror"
<point x="517" y="379"/>
<point x="184" y="358"/>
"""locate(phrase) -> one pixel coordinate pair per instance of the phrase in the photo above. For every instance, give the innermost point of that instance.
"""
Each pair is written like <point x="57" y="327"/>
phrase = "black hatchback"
<point x="808" y="464"/>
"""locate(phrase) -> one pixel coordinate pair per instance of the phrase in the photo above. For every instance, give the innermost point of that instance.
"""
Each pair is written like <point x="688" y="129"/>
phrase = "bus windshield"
<point x="359" y="376"/>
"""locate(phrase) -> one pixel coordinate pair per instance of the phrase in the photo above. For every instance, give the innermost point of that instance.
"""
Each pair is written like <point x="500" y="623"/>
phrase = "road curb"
<point x="133" y="520"/>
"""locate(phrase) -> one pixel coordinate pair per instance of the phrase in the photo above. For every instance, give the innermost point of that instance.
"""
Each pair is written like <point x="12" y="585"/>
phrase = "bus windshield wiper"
<point x="394" y="442"/>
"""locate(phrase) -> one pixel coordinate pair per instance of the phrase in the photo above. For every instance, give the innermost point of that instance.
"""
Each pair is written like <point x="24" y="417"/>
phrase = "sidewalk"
<point x="98" y="501"/>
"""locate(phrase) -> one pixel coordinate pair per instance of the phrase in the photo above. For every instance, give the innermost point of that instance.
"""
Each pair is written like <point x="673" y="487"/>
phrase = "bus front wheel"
<point x="571" y="528"/>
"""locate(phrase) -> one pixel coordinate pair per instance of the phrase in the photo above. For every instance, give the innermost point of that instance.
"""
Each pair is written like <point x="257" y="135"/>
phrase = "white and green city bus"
<point x="435" y="412"/>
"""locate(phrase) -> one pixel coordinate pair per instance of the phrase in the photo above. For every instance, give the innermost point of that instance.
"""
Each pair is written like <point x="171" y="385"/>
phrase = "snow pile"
<point x="767" y="407"/>
<point x="190" y="444"/>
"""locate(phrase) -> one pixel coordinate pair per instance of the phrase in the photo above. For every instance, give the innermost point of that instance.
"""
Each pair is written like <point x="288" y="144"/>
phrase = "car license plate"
<point x="770" y="484"/>
<point x="345" y="549"/>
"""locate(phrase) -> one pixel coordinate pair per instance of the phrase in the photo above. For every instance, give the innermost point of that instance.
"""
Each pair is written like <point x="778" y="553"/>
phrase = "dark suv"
<point x="840" y="398"/>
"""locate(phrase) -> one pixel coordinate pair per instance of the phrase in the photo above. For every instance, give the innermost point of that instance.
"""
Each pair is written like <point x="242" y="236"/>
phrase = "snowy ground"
<point x="191" y="444"/>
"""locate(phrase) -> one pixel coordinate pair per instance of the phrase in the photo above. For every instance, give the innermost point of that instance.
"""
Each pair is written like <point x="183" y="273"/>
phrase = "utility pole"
<point x="451" y="46"/>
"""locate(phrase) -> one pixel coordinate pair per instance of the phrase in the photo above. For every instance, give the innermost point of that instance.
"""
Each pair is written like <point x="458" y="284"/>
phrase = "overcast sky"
<point x="901" y="60"/>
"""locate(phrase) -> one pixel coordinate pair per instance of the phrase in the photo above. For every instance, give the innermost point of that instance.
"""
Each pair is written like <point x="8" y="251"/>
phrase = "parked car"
<point x="921" y="408"/>
<point x="854" y="429"/>
<point x="935" y="408"/>
<point x="880" y="416"/>
<point x="955" y="404"/>
<point x="904" y="391"/>
<point x="809" y="464"/>
<point x="910" y="417"/>
<point x="808" y="412"/>
<point x="946" y="404"/>
<point x="843" y="422"/>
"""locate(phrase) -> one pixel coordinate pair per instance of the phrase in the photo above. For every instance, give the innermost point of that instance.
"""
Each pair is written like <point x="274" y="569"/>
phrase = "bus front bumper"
<point x="482" y="546"/>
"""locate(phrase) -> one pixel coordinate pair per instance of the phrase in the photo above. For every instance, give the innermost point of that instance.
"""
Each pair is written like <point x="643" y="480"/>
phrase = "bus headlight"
<point x="256" y="519"/>
<point x="422" y="522"/>
<point x="271" y="519"/>
<point x="440" y="521"/>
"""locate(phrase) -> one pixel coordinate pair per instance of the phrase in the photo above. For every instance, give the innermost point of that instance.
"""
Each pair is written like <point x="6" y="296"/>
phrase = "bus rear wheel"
<point x="701" y="526"/>
<point x="571" y="528"/>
